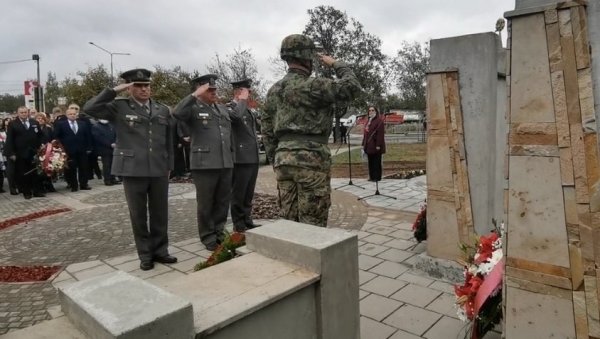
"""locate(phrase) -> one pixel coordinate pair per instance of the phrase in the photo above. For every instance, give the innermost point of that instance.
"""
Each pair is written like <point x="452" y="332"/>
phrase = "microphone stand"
<point x="349" y="161"/>
<point x="376" y="193"/>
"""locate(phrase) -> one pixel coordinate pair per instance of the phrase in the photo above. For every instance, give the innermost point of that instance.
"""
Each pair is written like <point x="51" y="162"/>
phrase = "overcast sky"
<point x="188" y="33"/>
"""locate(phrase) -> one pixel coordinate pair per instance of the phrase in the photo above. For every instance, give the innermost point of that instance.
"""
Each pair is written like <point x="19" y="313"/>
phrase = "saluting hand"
<point x="122" y="87"/>
<point x="244" y="94"/>
<point x="325" y="59"/>
<point x="201" y="89"/>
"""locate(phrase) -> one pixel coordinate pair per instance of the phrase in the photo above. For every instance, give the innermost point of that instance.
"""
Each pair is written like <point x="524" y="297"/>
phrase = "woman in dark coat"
<point x="47" y="136"/>
<point x="374" y="143"/>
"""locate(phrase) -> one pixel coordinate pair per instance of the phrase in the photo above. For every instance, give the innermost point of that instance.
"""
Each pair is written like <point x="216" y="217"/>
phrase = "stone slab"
<point x="118" y="305"/>
<point x="242" y="289"/>
<point x="56" y="328"/>
<point x="448" y="270"/>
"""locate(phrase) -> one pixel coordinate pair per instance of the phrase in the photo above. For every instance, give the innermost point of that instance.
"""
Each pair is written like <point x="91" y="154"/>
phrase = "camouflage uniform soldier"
<point x="296" y="126"/>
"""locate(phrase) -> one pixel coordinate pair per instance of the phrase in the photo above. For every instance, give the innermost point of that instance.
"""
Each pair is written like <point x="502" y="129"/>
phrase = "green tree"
<point x="170" y="85"/>
<point x="344" y="38"/>
<point x="89" y="84"/>
<point x="52" y="92"/>
<point x="236" y="66"/>
<point x="9" y="103"/>
<point x="409" y="68"/>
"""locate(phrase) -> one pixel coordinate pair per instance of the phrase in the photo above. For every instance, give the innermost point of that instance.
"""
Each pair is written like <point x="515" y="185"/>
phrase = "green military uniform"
<point x="245" y="168"/>
<point x="143" y="156"/>
<point x="296" y="126"/>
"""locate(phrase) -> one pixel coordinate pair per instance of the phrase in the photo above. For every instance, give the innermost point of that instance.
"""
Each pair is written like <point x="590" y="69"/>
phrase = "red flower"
<point x="486" y="247"/>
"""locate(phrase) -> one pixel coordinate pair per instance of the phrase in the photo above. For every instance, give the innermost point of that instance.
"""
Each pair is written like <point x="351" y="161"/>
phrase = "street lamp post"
<point x="112" y="77"/>
<point x="38" y="87"/>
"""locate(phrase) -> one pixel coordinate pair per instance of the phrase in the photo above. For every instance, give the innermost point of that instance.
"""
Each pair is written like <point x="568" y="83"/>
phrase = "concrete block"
<point x="329" y="252"/>
<point x="439" y="268"/>
<point x="118" y="305"/>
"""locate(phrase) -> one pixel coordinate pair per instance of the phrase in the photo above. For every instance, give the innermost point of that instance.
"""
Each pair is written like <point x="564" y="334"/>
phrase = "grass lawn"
<point x="394" y="152"/>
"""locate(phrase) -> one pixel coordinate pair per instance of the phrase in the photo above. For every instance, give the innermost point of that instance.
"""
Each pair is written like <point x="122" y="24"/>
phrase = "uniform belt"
<point x="302" y="137"/>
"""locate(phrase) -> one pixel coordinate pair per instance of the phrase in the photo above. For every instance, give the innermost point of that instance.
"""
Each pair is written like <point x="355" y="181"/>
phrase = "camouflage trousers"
<point x="304" y="195"/>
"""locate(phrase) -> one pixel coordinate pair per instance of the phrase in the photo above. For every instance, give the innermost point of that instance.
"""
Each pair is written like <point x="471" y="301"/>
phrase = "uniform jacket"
<point x="210" y="132"/>
<point x="74" y="143"/>
<point x="374" y="136"/>
<point x="243" y="127"/>
<point x="23" y="142"/>
<point x="144" y="142"/>
<point x="48" y="133"/>
<point x="298" y="113"/>
<point x="103" y="135"/>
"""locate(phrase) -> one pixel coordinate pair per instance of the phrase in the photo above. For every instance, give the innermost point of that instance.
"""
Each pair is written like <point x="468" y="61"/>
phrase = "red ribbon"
<point x="489" y="285"/>
<point x="47" y="155"/>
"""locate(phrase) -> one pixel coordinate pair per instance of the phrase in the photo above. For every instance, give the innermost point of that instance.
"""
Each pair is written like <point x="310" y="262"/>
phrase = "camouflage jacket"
<point x="298" y="116"/>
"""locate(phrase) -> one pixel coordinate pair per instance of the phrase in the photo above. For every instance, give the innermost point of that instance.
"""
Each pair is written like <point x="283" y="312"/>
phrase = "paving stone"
<point x="364" y="276"/>
<point x="377" y="229"/>
<point x="447" y="328"/>
<point x="412" y="319"/>
<point x="197" y="246"/>
<point x="389" y="269"/>
<point x="442" y="286"/>
<point x="416" y="295"/>
<point x="400" y="244"/>
<point x="444" y="304"/>
<point x="122" y="259"/>
<point x="157" y="270"/>
<point x="361" y="295"/>
<point x="370" y="329"/>
<point x="405" y="335"/>
<point x="83" y="266"/>
<point x="402" y="234"/>
<point x="377" y="307"/>
<point x="371" y="249"/>
<point x="186" y="266"/>
<point x="415" y="279"/>
<point x="366" y="262"/>
<point x="383" y="286"/>
<point x="164" y="279"/>
<point x="395" y="255"/>
<point x="377" y="239"/>
<point x="128" y="266"/>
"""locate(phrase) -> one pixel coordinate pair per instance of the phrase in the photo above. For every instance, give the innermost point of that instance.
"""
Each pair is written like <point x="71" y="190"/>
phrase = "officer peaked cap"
<point x="138" y="75"/>
<point x="210" y="79"/>
<point x="244" y="83"/>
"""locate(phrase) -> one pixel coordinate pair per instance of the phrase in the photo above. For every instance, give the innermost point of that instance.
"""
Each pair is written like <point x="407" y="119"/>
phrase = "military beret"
<point x="210" y="79"/>
<point x="244" y="83"/>
<point x="138" y="75"/>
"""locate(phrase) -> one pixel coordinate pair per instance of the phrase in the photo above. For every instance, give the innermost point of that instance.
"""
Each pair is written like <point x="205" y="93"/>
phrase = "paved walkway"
<point x="94" y="238"/>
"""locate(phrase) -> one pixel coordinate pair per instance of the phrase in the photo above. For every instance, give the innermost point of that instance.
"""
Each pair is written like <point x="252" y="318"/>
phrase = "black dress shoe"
<point x="86" y="187"/>
<point x="51" y="189"/>
<point x="252" y="225"/>
<point x="74" y="189"/>
<point x="212" y="246"/>
<point x="39" y="195"/>
<point x="108" y="183"/>
<point x="14" y="192"/>
<point x="27" y="196"/>
<point x="167" y="259"/>
<point x="146" y="265"/>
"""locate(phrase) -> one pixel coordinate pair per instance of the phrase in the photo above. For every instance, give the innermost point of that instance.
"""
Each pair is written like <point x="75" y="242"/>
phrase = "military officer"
<point x="143" y="156"/>
<point x="296" y="126"/>
<point x="211" y="159"/>
<point x="245" y="168"/>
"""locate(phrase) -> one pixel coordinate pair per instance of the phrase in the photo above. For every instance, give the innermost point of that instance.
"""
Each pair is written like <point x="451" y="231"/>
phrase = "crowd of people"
<point x="143" y="142"/>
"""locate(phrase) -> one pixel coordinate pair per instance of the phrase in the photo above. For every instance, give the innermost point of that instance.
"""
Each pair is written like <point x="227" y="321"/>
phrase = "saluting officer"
<point x="245" y="168"/>
<point x="211" y="159"/>
<point x="143" y="156"/>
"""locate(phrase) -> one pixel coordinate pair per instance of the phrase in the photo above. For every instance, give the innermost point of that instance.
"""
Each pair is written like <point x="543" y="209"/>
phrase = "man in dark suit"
<point x="245" y="169"/>
<point x="143" y="156"/>
<point x="76" y="137"/>
<point x="23" y="140"/>
<point x="211" y="158"/>
<point x="105" y="138"/>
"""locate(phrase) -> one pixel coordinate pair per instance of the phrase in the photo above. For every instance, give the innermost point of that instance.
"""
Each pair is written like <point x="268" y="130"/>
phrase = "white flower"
<point x="460" y="311"/>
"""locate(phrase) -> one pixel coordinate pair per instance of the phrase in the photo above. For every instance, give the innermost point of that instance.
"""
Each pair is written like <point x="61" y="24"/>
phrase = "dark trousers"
<point x="244" y="182"/>
<point x="93" y="167"/>
<point x="179" y="162"/>
<point x="375" y="169"/>
<point x="148" y="195"/>
<point x="213" y="194"/>
<point x="106" y="166"/>
<point x="77" y="169"/>
<point x="26" y="176"/>
<point x="10" y="175"/>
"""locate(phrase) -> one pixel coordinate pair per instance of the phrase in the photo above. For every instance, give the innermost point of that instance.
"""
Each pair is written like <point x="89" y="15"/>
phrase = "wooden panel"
<point x="539" y="277"/>
<point x="566" y="167"/>
<point x="569" y="67"/>
<point x="586" y="99"/>
<point x="554" y="49"/>
<point x="533" y="134"/>
<point x="533" y="315"/>
<point x="439" y="166"/>
<point x="536" y="211"/>
<point x="535" y="150"/>
<point x="436" y="110"/>
<point x="580" y="312"/>
<point x="576" y="266"/>
<point x="592" y="170"/>
<point x="442" y="230"/>
<point x="560" y="107"/>
<point x="579" y="164"/>
<point x="591" y="301"/>
<point x="534" y="287"/>
<point x="538" y="267"/>
<point x="530" y="79"/>
<point x="580" y="36"/>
